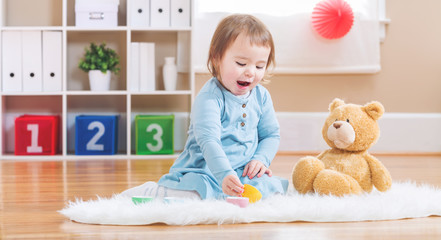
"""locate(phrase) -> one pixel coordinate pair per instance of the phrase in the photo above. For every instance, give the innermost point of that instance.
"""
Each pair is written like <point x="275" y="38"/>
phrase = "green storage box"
<point x="154" y="134"/>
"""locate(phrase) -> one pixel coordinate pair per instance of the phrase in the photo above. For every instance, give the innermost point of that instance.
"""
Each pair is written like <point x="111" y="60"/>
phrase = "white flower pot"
<point x="170" y="74"/>
<point x="99" y="81"/>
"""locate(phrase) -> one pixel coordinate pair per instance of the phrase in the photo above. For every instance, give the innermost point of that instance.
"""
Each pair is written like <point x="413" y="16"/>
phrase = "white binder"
<point x="32" y="66"/>
<point x="140" y="13"/>
<point x="180" y="13"/>
<point x="160" y="13"/>
<point x="147" y="67"/>
<point x="11" y="61"/>
<point x="52" y="61"/>
<point x="134" y="66"/>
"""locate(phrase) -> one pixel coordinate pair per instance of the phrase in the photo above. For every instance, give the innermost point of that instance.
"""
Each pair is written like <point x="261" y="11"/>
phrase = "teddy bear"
<point x="347" y="168"/>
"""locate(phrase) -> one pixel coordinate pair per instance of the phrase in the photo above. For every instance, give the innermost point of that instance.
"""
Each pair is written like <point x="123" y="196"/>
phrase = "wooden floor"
<point x="31" y="192"/>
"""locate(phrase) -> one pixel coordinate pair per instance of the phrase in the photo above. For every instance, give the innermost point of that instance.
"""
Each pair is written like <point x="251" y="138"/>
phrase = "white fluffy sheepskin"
<point x="403" y="200"/>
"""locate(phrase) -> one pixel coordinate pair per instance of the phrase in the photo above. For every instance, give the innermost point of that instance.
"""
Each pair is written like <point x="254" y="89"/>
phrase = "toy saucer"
<point x="239" y="201"/>
<point x="173" y="200"/>
<point x="141" y="199"/>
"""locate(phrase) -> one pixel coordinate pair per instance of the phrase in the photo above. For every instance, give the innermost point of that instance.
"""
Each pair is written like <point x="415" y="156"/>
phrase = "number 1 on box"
<point x="34" y="148"/>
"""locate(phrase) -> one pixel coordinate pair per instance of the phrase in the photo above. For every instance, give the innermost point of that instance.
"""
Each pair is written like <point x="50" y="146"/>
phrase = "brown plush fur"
<point x="347" y="168"/>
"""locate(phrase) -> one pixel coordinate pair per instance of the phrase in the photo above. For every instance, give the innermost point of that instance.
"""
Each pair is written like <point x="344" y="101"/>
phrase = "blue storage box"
<point x="96" y="135"/>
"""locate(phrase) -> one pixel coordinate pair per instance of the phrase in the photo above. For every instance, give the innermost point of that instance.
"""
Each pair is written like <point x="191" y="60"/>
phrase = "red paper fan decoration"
<point x="332" y="18"/>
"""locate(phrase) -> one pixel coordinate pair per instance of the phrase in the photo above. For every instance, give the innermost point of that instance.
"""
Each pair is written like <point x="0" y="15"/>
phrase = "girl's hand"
<point x="232" y="186"/>
<point x="254" y="168"/>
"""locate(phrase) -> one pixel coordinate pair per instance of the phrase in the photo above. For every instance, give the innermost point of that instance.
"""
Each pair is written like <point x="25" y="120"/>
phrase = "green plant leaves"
<point x="98" y="57"/>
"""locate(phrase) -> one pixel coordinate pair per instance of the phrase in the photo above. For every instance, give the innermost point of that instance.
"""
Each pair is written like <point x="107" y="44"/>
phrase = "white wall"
<point x="400" y="132"/>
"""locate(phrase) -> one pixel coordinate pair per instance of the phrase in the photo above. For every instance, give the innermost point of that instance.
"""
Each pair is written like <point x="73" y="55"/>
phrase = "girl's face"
<point x="243" y="65"/>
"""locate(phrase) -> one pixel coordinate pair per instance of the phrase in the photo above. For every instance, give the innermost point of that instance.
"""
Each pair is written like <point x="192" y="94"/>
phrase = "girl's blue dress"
<point x="225" y="133"/>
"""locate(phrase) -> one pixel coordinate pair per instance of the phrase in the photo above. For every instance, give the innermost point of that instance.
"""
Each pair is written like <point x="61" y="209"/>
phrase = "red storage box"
<point x="37" y="134"/>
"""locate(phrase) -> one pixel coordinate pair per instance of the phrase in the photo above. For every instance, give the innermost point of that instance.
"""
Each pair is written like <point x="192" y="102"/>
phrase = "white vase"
<point x="170" y="74"/>
<point x="99" y="81"/>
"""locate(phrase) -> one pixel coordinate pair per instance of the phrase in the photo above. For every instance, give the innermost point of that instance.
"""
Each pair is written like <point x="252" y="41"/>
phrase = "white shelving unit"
<point x="75" y="98"/>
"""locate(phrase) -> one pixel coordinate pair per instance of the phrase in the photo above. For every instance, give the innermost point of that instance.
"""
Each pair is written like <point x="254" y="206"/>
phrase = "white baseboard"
<point x="400" y="132"/>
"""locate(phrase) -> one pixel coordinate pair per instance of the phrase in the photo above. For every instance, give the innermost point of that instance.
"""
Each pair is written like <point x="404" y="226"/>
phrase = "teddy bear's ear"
<point x="374" y="109"/>
<point x="335" y="104"/>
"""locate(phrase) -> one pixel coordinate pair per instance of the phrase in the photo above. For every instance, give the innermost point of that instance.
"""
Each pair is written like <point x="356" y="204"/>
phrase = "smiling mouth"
<point x="243" y="83"/>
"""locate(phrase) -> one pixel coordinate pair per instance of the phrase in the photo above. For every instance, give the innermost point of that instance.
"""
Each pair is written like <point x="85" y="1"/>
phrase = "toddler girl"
<point x="233" y="134"/>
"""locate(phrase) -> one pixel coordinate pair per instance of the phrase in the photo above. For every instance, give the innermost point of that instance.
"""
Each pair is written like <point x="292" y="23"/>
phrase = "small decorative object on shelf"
<point x="332" y="18"/>
<point x="170" y="74"/>
<point x="99" y="61"/>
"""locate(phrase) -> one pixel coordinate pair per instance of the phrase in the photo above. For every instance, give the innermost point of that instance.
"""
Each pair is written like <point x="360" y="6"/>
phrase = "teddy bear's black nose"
<point x="336" y="125"/>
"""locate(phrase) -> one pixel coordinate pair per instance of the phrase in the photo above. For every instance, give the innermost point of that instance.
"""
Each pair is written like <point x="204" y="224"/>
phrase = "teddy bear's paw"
<point x="329" y="182"/>
<point x="353" y="185"/>
<point x="304" y="173"/>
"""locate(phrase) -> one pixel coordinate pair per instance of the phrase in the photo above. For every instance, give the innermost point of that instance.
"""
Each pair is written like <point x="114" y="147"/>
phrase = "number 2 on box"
<point x="34" y="148"/>
<point x="156" y="137"/>
<point x="91" y="145"/>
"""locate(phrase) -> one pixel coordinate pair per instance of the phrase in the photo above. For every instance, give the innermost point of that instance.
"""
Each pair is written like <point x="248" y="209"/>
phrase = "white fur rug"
<point x="403" y="200"/>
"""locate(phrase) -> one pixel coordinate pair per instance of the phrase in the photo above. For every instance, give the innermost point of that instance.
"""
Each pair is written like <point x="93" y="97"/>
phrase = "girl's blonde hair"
<point x="228" y="30"/>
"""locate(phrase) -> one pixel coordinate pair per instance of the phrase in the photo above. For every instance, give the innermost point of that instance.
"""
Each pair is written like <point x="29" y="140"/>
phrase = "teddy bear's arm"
<point x="380" y="175"/>
<point x="322" y="154"/>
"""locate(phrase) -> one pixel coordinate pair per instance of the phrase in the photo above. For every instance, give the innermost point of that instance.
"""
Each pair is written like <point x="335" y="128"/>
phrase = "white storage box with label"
<point x="96" y="13"/>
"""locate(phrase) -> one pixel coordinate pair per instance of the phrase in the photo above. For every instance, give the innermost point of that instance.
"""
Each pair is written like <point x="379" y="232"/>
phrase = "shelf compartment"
<point x="32" y="13"/>
<point x="169" y="44"/>
<point x="15" y="106"/>
<point x="97" y="105"/>
<point x="77" y="41"/>
<point x="178" y="105"/>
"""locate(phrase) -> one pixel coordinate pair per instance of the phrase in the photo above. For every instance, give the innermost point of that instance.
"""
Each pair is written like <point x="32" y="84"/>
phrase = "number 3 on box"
<point x="156" y="137"/>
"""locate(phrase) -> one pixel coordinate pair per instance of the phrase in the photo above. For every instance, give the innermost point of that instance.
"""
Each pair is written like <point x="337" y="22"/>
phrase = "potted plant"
<point x="99" y="62"/>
